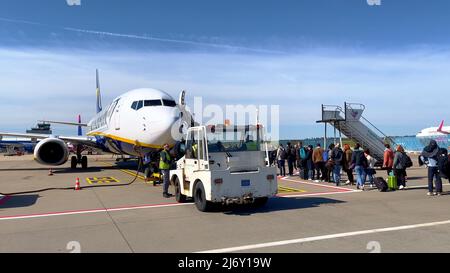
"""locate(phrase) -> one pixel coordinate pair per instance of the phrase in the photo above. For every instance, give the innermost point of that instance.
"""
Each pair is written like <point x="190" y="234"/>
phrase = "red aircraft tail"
<point x="440" y="127"/>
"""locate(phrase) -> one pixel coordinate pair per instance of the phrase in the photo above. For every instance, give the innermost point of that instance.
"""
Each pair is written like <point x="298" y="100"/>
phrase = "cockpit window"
<point x="152" y="103"/>
<point x="169" y="103"/>
<point x="134" y="105"/>
<point x="140" y="105"/>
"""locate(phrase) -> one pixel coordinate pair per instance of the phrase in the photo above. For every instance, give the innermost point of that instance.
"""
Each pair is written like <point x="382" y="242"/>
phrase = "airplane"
<point x="137" y="122"/>
<point x="440" y="134"/>
<point x="11" y="145"/>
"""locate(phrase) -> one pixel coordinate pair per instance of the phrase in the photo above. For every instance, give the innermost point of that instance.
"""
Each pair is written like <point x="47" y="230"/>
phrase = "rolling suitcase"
<point x="392" y="183"/>
<point x="381" y="184"/>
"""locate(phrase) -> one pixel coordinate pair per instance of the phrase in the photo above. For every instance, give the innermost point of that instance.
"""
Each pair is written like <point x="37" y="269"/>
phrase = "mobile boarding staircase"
<point x="350" y="122"/>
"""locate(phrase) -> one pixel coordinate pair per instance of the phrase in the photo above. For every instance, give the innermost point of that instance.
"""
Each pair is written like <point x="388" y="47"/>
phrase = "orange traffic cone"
<point x="50" y="172"/>
<point x="77" y="184"/>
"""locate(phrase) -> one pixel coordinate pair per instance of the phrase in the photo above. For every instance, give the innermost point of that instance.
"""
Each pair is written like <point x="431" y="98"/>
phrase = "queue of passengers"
<point x="320" y="165"/>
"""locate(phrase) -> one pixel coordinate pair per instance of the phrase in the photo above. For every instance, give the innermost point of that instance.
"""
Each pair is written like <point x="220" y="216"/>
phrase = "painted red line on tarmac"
<point x="318" y="185"/>
<point x="314" y="194"/>
<point x="75" y="212"/>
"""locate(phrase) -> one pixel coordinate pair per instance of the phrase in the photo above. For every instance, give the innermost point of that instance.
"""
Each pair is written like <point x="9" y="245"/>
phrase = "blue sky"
<point x="299" y="54"/>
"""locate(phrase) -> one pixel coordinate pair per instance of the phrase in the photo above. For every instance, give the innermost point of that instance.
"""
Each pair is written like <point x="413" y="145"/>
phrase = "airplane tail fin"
<point x="80" y="131"/>
<point x="99" y="95"/>
<point x="441" y="127"/>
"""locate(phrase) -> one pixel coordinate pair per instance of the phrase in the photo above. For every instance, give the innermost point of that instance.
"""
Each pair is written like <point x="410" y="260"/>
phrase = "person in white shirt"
<point x="370" y="171"/>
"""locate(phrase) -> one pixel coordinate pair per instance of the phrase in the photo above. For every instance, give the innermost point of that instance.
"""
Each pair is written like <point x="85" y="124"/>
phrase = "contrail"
<point x="147" y="38"/>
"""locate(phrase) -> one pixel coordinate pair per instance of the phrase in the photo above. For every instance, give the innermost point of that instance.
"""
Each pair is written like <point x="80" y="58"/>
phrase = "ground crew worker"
<point x="195" y="150"/>
<point x="164" y="165"/>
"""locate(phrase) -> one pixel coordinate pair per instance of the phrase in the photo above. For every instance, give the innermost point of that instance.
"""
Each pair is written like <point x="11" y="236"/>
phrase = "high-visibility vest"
<point x="163" y="165"/>
<point x="194" y="151"/>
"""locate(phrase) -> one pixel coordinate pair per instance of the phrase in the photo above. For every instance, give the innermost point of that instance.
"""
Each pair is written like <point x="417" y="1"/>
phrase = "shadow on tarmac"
<point x="279" y="204"/>
<point x="19" y="201"/>
<point x="62" y="170"/>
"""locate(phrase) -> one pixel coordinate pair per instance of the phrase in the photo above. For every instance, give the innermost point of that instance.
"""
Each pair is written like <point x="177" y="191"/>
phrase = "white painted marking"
<point x="324" y="237"/>
<point x="319" y="185"/>
<point x="53" y="214"/>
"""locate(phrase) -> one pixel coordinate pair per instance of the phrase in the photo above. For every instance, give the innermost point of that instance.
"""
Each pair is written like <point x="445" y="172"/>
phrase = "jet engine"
<point x="52" y="152"/>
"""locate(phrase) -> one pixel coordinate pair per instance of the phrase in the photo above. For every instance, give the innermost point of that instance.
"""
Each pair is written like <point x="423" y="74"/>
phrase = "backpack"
<point x="339" y="156"/>
<point x="407" y="162"/>
<point x="302" y="153"/>
<point x="283" y="154"/>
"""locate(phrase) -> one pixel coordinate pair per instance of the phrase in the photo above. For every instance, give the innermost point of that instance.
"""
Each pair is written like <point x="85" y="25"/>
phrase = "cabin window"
<point x="169" y="103"/>
<point x="152" y="103"/>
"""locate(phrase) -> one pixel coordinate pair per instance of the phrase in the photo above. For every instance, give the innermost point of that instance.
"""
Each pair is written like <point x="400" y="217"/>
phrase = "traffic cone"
<point x="50" y="172"/>
<point x="77" y="184"/>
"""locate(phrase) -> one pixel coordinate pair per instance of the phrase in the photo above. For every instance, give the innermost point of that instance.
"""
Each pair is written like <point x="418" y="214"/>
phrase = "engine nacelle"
<point x="52" y="152"/>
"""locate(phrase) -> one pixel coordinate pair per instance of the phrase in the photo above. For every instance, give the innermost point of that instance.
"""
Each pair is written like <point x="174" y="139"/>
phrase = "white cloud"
<point x="403" y="91"/>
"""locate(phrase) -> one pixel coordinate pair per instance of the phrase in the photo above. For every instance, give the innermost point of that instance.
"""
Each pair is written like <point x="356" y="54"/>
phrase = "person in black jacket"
<point x="290" y="150"/>
<point x="337" y="156"/>
<point x="310" y="162"/>
<point x="359" y="161"/>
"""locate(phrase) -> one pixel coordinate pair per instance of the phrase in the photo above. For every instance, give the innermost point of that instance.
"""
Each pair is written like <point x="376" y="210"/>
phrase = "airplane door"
<point x="117" y="117"/>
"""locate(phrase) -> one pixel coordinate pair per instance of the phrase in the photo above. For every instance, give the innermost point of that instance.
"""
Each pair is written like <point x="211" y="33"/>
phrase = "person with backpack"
<point x="430" y="156"/>
<point x="370" y="170"/>
<point x="346" y="164"/>
<point x="290" y="150"/>
<point x="319" y="162"/>
<point x="399" y="166"/>
<point x="359" y="162"/>
<point x="337" y="156"/>
<point x="310" y="162"/>
<point x="303" y="167"/>
<point x="329" y="164"/>
<point x="281" y="158"/>
<point x="388" y="161"/>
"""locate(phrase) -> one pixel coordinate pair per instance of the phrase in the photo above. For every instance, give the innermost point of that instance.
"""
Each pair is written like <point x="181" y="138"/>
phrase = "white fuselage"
<point x="141" y="118"/>
<point x="442" y="138"/>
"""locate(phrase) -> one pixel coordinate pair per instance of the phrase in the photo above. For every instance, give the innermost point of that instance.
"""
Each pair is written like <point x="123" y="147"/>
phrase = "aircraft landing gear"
<point x="79" y="159"/>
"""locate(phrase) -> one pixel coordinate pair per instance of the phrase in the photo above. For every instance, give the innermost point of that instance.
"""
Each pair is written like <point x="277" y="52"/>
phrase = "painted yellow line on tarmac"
<point x="287" y="189"/>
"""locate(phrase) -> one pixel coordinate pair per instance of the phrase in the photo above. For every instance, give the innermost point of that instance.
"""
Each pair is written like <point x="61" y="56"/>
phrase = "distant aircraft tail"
<point x="441" y="127"/>
<point x="99" y="95"/>
<point x="80" y="131"/>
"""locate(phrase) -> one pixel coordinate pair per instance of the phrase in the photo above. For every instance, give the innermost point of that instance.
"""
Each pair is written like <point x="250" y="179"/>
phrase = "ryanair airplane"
<point x="138" y="122"/>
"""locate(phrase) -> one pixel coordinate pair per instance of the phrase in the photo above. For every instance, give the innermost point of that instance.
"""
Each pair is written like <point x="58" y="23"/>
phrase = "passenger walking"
<point x="310" y="162"/>
<point x="359" y="161"/>
<point x="370" y="171"/>
<point x="337" y="156"/>
<point x="430" y="156"/>
<point x="319" y="163"/>
<point x="281" y="158"/>
<point x="399" y="166"/>
<point x="329" y="164"/>
<point x="290" y="150"/>
<point x="346" y="165"/>
<point x="303" y="158"/>
<point x="388" y="161"/>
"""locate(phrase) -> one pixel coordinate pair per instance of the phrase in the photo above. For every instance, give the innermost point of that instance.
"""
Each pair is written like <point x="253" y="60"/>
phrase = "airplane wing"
<point x="88" y="141"/>
<point x="64" y="123"/>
